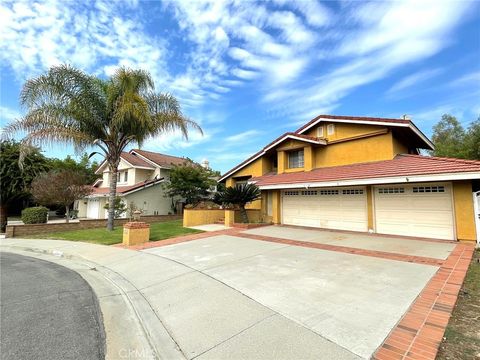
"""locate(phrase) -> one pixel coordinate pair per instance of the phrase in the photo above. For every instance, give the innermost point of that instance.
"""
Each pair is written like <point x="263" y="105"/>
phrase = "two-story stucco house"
<point x="139" y="178"/>
<point x="362" y="174"/>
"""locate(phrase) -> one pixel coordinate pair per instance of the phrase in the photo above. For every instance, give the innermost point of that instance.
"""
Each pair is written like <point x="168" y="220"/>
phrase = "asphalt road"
<point x="47" y="312"/>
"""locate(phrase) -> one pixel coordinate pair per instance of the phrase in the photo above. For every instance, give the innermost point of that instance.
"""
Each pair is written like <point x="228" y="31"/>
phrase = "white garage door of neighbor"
<point x="422" y="210"/>
<point x="335" y="208"/>
<point x="92" y="208"/>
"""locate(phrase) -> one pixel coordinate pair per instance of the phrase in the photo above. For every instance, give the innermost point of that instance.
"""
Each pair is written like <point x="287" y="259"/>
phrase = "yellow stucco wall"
<point x="373" y="148"/>
<point x="464" y="212"/>
<point x="276" y="207"/>
<point x="398" y="147"/>
<point x="192" y="217"/>
<point x="343" y="131"/>
<point x="370" y="208"/>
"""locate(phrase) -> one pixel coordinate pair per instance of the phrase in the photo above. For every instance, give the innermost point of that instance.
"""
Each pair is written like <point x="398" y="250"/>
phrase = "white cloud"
<point x="242" y="137"/>
<point x="414" y="79"/>
<point x="7" y="114"/>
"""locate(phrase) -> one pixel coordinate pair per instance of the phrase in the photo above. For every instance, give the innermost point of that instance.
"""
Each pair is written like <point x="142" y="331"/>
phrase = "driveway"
<point x="345" y="304"/>
<point x="276" y="292"/>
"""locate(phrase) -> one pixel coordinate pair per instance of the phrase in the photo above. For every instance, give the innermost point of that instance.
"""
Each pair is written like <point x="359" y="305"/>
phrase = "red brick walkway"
<point x="419" y="334"/>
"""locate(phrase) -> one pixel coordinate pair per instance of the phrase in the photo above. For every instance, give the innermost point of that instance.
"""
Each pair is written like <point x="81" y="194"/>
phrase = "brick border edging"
<point x="418" y="335"/>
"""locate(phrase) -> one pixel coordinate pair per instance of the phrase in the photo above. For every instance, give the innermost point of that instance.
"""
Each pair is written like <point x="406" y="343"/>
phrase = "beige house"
<point x="139" y="179"/>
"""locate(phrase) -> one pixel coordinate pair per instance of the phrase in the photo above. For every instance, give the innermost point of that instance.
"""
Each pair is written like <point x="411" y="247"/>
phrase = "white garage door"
<point x="92" y="208"/>
<point x="423" y="210"/>
<point x="336" y="208"/>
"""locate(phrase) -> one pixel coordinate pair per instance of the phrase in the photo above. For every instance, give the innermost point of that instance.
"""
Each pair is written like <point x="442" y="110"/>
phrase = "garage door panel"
<point x="412" y="213"/>
<point x="332" y="210"/>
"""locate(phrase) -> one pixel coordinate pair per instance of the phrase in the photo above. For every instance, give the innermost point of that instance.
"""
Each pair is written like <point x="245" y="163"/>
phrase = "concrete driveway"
<point x="344" y="304"/>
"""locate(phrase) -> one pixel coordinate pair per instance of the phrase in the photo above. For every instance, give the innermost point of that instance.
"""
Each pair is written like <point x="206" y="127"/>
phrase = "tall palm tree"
<point x="69" y="106"/>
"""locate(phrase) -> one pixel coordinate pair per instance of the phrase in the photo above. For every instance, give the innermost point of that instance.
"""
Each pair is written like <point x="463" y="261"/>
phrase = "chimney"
<point x="406" y="117"/>
<point x="205" y="164"/>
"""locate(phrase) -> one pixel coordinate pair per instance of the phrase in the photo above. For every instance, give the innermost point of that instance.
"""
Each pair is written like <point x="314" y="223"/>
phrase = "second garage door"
<point x="336" y="208"/>
<point x="423" y="210"/>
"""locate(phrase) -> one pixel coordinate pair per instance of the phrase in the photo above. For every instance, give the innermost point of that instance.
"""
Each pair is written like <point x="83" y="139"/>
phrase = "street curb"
<point x="162" y="344"/>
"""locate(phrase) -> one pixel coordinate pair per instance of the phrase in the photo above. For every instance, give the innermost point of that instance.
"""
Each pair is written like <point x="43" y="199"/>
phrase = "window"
<point x="118" y="177"/>
<point x="125" y="176"/>
<point x="352" y="192"/>
<point x="328" y="192"/>
<point x="428" y="189"/>
<point x="309" y="192"/>
<point x="295" y="159"/>
<point x="320" y="131"/>
<point x="291" y="192"/>
<point x="330" y="129"/>
<point x="392" y="190"/>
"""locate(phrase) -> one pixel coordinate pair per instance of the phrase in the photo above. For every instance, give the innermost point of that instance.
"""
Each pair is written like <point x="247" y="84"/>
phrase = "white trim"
<point x="241" y="167"/>
<point x="374" y="181"/>
<point x="143" y="187"/>
<point x="366" y="122"/>
<point x="133" y="166"/>
<point x="476" y="213"/>
<point x="299" y="138"/>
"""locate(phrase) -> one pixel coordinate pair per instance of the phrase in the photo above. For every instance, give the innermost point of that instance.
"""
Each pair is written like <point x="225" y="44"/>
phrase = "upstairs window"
<point x="330" y="129"/>
<point x="320" y="131"/>
<point x="295" y="159"/>
<point x="125" y="176"/>
<point x="118" y="177"/>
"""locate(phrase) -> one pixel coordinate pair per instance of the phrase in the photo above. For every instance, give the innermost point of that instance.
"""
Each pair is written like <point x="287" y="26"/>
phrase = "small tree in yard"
<point x="190" y="182"/>
<point x="239" y="195"/>
<point x="119" y="207"/>
<point x="60" y="188"/>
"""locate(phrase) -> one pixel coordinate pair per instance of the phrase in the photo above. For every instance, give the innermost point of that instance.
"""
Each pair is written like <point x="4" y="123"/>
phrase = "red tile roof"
<point x="401" y="165"/>
<point x="136" y="160"/>
<point x="354" y="118"/>
<point x="125" y="189"/>
<point x="160" y="159"/>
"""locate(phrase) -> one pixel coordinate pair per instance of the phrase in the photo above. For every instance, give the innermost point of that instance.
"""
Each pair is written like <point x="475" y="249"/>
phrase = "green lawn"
<point x="158" y="231"/>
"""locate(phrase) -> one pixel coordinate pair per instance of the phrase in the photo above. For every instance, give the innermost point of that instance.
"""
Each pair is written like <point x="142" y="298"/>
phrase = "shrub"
<point x="35" y="215"/>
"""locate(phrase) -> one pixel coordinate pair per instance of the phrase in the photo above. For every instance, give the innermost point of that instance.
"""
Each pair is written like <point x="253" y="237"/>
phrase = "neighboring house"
<point x="362" y="174"/>
<point x="139" y="178"/>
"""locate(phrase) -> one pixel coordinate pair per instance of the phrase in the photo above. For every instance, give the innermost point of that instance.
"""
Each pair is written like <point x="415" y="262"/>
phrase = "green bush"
<point x="35" y="215"/>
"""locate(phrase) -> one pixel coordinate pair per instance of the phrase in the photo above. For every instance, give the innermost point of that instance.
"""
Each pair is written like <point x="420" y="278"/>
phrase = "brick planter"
<point x="135" y="233"/>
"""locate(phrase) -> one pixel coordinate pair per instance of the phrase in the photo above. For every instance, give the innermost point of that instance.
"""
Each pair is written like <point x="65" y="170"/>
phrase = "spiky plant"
<point x="66" y="105"/>
<point x="239" y="195"/>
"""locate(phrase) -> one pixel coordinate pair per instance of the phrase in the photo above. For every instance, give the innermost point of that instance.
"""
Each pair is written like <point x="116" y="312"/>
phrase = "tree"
<point x="119" y="207"/>
<point x="189" y="181"/>
<point x="448" y="137"/>
<point x="84" y="166"/>
<point x="69" y="106"/>
<point x="472" y="140"/>
<point x="239" y="195"/>
<point x="15" y="179"/>
<point x="60" y="187"/>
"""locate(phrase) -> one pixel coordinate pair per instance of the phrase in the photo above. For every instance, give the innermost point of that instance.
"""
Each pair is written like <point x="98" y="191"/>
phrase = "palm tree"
<point x="239" y="195"/>
<point x="69" y="106"/>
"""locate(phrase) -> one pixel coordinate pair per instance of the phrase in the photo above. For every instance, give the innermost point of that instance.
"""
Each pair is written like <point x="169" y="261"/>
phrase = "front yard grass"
<point x="462" y="336"/>
<point x="158" y="231"/>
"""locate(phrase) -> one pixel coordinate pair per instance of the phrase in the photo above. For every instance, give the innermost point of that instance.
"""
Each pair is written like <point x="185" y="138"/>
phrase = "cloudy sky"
<point x="248" y="71"/>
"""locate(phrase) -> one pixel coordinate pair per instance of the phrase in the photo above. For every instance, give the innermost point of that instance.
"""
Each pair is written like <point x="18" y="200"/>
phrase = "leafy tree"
<point x="69" y="106"/>
<point x="472" y="141"/>
<point x="190" y="182"/>
<point x="60" y="187"/>
<point x="448" y="137"/>
<point x="239" y="195"/>
<point x="15" y="179"/>
<point x="84" y="166"/>
<point x="119" y="207"/>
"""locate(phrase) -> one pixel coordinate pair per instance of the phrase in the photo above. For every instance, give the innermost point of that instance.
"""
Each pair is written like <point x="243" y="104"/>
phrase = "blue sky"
<point x="248" y="71"/>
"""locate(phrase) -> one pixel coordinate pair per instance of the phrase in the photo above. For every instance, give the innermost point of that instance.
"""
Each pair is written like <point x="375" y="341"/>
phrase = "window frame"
<point x="299" y="163"/>
<point x="330" y="129"/>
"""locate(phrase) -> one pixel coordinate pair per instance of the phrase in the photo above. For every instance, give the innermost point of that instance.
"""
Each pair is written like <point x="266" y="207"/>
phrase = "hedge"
<point x="35" y="215"/>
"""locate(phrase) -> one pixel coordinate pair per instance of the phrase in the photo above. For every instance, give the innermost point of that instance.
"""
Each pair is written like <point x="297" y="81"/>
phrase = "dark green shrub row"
<point x="35" y="215"/>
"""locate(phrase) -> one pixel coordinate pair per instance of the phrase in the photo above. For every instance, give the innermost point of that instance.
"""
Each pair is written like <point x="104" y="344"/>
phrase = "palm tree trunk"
<point x="67" y="214"/>
<point x="243" y="212"/>
<point x="3" y="217"/>
<point x="111" y="196"/>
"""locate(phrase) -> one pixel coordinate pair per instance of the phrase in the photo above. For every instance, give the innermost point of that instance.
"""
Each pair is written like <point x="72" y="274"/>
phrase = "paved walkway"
<point x="237" y="292"/>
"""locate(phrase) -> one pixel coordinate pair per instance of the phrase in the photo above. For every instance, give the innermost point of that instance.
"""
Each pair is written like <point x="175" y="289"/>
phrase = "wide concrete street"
<point x="235" y="296"/>
<point x="47" y="312"/>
